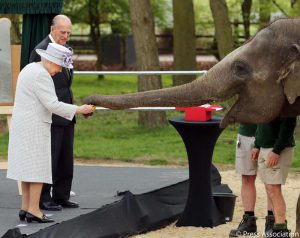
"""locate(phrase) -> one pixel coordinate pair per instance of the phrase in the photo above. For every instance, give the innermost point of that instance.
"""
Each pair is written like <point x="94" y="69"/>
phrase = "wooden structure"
<point x="5" y="108"/>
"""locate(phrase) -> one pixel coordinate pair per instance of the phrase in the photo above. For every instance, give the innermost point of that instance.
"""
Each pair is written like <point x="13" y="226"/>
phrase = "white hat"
<point x="57" y="54"/>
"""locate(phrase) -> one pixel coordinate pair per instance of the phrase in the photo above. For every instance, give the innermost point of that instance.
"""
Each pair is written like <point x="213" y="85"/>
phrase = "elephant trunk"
<point x="203" y="90"/>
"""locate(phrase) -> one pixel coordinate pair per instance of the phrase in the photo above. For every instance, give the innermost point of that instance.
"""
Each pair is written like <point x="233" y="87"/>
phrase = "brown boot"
<point x="247" y="227"/>
<point x="280" y="231"/>
<point x="270" y="220"/>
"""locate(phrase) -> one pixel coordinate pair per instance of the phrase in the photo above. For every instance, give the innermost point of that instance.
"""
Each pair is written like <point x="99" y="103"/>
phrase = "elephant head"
<point x="263" y="73"/>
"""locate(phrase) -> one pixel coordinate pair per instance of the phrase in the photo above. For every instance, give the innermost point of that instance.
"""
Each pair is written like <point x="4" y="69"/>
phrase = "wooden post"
<point x="15" y="67"/>
<point x="6" y="109"/>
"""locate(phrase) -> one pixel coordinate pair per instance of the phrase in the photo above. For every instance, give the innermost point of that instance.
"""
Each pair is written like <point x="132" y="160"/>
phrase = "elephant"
<point x="263" y="74"/>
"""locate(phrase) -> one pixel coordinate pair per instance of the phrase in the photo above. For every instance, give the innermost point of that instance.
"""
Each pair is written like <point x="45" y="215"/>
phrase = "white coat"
<point x="29" y="150"/>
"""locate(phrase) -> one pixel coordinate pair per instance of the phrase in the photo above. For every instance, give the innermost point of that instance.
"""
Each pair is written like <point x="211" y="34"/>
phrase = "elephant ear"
<point x="291" y="76"/>
<point x="292" y="84"/>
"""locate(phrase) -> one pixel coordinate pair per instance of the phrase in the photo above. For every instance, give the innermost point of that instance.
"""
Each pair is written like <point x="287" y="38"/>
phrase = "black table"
<point x="199" y="139"/>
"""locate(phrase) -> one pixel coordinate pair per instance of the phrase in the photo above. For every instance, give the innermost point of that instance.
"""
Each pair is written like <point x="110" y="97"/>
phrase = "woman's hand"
<point x="85" y="109"/>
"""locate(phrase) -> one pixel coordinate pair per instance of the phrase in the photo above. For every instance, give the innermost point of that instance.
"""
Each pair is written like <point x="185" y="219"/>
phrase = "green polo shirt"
<point x="277" y="134"/>
<point x="247" y="129"/>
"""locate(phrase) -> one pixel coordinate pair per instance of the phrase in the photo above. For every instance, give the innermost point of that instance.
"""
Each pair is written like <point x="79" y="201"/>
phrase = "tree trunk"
<point x="246" y="11"/>
<point x="223" y="28"/>
<point x="94" y="11"/>
<point x="264" y="12"/>
<point x="146" y="55"/>
<point x="184" y="40"/>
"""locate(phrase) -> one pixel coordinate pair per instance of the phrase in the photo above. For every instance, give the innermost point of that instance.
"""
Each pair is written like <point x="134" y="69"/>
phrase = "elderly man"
<point x="62" y="130"/>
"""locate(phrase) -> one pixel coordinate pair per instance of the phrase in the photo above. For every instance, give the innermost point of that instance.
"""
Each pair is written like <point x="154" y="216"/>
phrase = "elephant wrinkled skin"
<point x="264" y="73"/>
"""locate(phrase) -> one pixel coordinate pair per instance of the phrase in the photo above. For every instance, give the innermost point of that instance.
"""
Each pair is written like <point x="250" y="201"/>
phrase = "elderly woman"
<point x="29" y="151"/>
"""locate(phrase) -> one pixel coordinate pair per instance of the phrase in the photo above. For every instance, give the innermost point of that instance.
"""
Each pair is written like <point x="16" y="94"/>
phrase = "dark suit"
<point x="62" y="136"/>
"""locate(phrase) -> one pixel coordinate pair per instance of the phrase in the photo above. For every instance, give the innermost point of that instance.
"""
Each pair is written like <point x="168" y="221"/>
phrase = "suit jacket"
<point x="62" y="82"/>
<point x="29" y="153"/>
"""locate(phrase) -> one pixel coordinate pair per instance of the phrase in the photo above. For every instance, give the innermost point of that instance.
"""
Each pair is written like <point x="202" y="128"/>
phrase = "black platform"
<point x="95" y="186"/>
<point x="147" y="199"/>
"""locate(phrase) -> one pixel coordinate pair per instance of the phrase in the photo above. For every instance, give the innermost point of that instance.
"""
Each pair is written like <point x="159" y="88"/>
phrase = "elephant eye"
<point x="241" y="69"/>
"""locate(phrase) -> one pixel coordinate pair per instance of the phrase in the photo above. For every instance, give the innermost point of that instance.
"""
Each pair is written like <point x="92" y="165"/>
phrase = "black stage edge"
<point x="133" y="214"/>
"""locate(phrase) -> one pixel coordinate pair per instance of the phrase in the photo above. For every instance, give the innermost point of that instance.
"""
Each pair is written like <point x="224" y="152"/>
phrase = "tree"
<point x="264" y="12"/>
<point x="225" y="40"/>
<point x="293" y="2"/>
<point x="246" y="10"/>
<point x="113" y="15"/>
<point x="147" y="56"/>
<point x="88" y="12"/>
<point x="184" y="40"/>
<point x="94" y="21"/>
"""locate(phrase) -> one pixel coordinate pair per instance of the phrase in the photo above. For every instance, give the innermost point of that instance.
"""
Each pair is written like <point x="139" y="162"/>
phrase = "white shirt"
<point x="51" y="38"/>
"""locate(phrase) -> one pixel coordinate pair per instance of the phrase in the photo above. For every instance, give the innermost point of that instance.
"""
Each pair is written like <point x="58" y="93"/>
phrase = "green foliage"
<point x="118" y="15"/>
<point x="114" y="84"/>
<point x="204" y="20"/>
<point x="3" y="143"/>
<point x="115" y="17"/>
<point x="162" y="10"/>
<point x="77" y="11"/>
<point x="116" y="136"/>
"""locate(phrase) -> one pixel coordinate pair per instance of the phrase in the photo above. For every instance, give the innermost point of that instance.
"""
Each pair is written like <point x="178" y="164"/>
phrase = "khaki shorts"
<point x="278" y="173"/>
<point x="244" y="165"/>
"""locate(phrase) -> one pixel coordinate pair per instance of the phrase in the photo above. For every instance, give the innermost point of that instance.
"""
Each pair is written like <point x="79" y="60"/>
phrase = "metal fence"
<point x="140" y="72"/>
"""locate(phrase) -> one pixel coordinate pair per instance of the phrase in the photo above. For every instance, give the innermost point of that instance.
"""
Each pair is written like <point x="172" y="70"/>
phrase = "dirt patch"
<point x="290" y="190"/>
